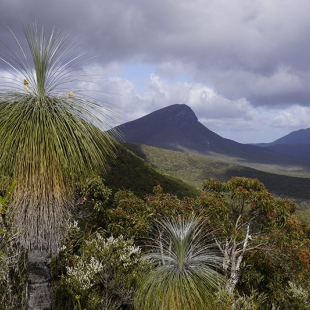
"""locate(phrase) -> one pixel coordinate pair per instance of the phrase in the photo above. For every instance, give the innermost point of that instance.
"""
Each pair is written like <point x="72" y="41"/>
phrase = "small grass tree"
<point x="50" y="142"/>
<point x="186" y="268"/>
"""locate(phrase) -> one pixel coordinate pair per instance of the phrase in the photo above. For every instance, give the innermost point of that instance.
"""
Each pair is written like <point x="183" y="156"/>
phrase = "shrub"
<point x="103" y="274"/>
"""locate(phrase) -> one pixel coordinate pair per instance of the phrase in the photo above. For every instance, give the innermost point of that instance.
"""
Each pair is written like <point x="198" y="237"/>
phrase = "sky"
<point x="242" y="66"/>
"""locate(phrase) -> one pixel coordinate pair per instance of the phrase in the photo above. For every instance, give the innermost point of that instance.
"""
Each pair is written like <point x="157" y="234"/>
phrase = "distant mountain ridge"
<point x="301" y="136"/>
<point x="176" y="127"/>
<point x="296" y="144"/>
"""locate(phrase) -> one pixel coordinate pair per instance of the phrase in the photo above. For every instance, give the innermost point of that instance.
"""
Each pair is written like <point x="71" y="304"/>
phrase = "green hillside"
<point x="131" y="172"/>
<point x="194" y="169"/>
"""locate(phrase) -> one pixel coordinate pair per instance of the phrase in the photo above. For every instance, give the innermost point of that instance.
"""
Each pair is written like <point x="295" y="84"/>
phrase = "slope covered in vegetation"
<point x="131" y="172"/>
<point x="195" y="169"/>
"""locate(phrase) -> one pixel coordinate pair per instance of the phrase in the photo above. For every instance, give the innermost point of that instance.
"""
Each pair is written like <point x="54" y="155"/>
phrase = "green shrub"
<point x="226" y="301"/>
<point x="101" y="275"/>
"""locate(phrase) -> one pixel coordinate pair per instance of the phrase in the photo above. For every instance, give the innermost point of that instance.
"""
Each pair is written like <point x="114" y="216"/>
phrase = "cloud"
<point x="159" y="93"/>
<point x="282" y="87"/>
<point x="294" y="117"/>
<point x="237" y="60"/>
<point x="233" y="119"/>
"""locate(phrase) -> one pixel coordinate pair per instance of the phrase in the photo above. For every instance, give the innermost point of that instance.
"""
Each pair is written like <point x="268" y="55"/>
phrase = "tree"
<point x="247" y="214"/>
<point x="51" y="142"/>
<point x="285" y="269"/>
<point x="185" y="273"/>
<point x="132" y="216"/>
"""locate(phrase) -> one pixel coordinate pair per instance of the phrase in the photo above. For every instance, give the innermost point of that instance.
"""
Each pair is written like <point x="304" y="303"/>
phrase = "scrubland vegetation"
<point x="237" y="245"/>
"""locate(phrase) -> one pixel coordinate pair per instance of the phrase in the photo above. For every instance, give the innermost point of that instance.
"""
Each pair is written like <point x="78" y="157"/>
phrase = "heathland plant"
<point x="102" y="274"/>
<point x="50" y="143"/>
<point x="12" y="273"/>
<point x="185" y="268"/>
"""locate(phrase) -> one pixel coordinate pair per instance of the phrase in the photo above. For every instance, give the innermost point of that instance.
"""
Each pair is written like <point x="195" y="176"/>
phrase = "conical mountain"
<point x="176" y="127"/>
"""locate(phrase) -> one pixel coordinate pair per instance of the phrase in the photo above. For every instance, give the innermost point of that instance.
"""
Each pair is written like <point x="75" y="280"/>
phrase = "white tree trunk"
<point x="237" y="251"/>
<point x="39" y="280"/>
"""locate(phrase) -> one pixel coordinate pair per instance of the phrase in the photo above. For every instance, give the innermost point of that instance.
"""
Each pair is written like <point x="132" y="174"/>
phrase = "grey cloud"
<point x="239" y="47"/>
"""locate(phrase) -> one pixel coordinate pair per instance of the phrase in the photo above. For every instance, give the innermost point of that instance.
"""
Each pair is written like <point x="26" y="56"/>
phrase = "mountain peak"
<point x="177" y="128"/>
<point x="174" y="113"/>
<point x="173" y="127"/>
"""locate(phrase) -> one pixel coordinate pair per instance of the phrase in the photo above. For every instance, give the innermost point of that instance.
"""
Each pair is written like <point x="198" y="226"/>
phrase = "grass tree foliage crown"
<point x="186" y="268"/>
<point x="50" y="135"/>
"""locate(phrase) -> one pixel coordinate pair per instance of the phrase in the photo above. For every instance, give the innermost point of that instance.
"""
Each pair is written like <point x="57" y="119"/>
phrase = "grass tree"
<point x="52" y="139"/>
<point x="186" y="268"/>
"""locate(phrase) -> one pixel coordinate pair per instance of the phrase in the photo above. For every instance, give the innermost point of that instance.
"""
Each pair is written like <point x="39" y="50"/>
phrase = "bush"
<point x="102" y="275"/>
<point x="12" y="261"/>
<point x="236" y="301"/>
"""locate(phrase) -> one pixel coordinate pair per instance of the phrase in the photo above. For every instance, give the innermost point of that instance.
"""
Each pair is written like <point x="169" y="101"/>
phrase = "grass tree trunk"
<point x="39" y="280"/>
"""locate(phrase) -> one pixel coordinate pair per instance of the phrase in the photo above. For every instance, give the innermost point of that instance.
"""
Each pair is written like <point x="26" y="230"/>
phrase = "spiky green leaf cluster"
<point x="50" y="140"/>
<point x="185" y="273"/>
